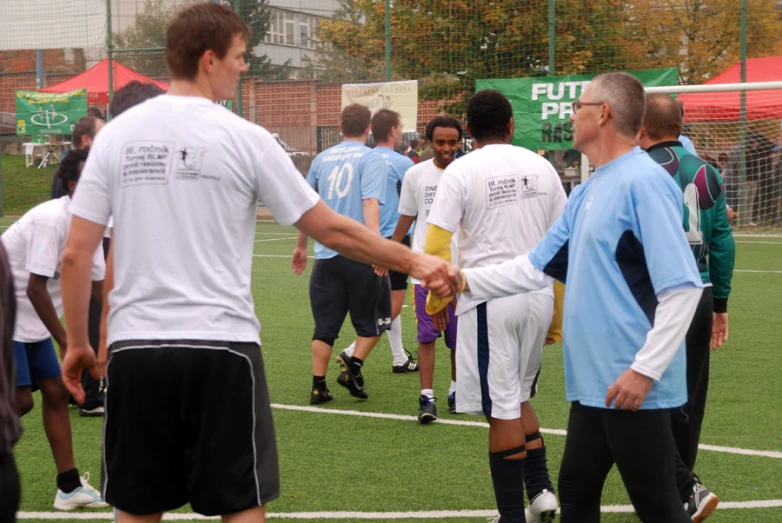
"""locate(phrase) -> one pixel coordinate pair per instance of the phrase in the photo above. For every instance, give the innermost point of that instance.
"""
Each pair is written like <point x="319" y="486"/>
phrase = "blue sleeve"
<point x="550" y="255"/>
<point x="372" y="169"/>
<point x="312" y="174"/>
<point x="405" y="163"/>
<point x="658" y="226"/>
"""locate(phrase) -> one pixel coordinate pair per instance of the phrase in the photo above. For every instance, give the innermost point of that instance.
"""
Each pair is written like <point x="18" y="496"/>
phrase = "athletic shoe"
<point x="97" y="412"/>
<point x="542" y="508"/>
<point x="319" y="397"/>
<point x="452" y="402"/>
<point x="83" y="497"/>
<point x="354" y="384"/>
<point x="428" y="411"/>
<point x="407" y="366"/>
<point x="702" y="503"/>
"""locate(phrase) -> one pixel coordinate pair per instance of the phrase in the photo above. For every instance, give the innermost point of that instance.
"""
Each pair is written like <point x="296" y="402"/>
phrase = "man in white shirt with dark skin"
<point x="632" y="290"/>
<point x="499" y="201"/>
<point x="181" y="177"/>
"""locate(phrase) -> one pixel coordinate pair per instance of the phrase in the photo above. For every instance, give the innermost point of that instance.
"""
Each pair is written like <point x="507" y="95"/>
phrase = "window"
<point x="304" y="31"/>
<point x="292" y="28"/>
<point x="276" y="34"/>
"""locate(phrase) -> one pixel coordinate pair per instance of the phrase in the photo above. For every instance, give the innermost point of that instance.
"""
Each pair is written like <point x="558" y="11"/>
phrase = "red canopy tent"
<point x="725" y="106"/>
<point x="96" y="80"/>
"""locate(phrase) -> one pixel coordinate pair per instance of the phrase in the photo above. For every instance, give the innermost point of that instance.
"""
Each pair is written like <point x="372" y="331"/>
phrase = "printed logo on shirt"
<point x="502" y="190"/>
<point x="189" y="162"/>
<point x="146" y="163"/>
<point x="529" y="185"/>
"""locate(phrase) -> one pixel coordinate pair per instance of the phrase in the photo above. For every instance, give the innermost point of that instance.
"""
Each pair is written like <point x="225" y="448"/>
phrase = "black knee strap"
<point x="510" y="452"/>
<point x="533" y="436"/>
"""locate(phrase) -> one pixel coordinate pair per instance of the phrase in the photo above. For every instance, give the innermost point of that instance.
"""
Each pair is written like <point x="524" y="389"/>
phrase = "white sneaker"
<point x="83" y="497"/>
<point x="542" y="508"/>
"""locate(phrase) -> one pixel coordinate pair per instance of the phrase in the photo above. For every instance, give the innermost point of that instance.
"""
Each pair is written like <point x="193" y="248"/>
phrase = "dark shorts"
<point x="9" y="487"/>
<point x="427" y="333"/>
<point x="188" y="421"/>
<point x="35" y="362"/>
<point x="340" y="285"/>
<point x="399" y="279"/>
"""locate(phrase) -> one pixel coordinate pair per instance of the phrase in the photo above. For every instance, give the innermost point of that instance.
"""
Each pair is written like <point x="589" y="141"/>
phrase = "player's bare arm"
<point x="402" y="226"/>
<point x="83" y="239"/>
<point x="360" y="243"/>
<point x="39" y="296"/>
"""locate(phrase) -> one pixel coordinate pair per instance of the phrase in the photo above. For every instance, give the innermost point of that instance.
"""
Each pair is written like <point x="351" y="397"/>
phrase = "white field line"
<point x="761" y="272"/>
<point x="431" y="514"/>
<point x="289" y="233"/>
<point x="761" y="243"/>
<point x="276" y="239"/>
<point x="558" y="432"/>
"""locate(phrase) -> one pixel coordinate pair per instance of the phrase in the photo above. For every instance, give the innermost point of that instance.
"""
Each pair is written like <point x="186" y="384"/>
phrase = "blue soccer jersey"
<point x="618" y="244"/>
<point x="345" y="175"/>
<point x="396" y="167"/>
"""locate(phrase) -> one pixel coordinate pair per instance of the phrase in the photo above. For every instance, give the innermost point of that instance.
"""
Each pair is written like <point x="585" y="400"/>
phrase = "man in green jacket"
<point x="709" y="233"/>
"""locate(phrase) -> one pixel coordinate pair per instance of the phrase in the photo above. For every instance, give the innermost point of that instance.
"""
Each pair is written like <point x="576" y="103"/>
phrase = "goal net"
<point x="738" y="128"/>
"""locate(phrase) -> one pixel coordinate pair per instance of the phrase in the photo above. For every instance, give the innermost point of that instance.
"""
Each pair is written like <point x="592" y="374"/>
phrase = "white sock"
<point x="395" y="339"/>
<point x="429" y="393"/>
<point x="350" y="350"/>
<point x="453" y="388"/>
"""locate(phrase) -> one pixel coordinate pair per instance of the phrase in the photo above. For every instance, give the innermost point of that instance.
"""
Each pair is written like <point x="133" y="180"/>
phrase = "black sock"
<point x="536" y="476"/>
<point x="68" y="481"/>
<point x="508" y="478"/>
<point x="319" y="383"/>
<point x="355" y="365"/>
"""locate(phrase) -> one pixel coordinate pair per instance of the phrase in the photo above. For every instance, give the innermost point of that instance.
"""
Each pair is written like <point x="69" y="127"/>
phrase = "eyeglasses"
<point x="577" y="105"/>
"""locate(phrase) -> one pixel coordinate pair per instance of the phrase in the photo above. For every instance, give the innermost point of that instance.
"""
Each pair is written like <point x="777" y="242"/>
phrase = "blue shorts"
<point x="35" y="362"/>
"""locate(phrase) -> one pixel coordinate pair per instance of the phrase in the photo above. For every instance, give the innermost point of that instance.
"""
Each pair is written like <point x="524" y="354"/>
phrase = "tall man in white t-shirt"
<point x="181" y="177"/>
<point x="35" y="245"/>
<point x="500" y="200"/>
<point x="418" y="190"/>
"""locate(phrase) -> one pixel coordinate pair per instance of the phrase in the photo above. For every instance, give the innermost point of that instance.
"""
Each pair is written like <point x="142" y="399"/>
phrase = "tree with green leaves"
<point x="448" y="44"/>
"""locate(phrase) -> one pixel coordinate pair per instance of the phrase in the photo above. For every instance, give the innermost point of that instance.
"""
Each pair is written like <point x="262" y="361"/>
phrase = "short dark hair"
<point x="69" y="166"/>
<point x="94" y="111"/>
<point x="663" y="117"/>
<point x="443" y="121"/>
<point x="196" y="29"/>
<point x="382" y="123"/>
<point x="84" y="127"/>
<point x="488" y="113"/>
<point x="132" y="94"/>
<point x="355" y="120"/>
<point x="413" y="143"/>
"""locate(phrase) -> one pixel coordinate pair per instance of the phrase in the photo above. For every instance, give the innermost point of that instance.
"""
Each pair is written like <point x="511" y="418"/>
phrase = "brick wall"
<point x="293" y="109"/>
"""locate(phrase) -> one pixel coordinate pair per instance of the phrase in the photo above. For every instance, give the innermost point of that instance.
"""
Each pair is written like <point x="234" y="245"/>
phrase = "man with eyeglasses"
<point x="632" y="291"/>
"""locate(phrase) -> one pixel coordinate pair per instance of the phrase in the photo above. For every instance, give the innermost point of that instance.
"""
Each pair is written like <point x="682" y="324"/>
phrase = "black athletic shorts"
<point x="399" y="279"/>
<point x="188" y="421"/>
<point x="340" y="285"/>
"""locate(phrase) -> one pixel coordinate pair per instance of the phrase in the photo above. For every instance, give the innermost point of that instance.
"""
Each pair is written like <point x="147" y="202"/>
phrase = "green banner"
<point x="542" y="106"/>
<point x="40" y="114"/>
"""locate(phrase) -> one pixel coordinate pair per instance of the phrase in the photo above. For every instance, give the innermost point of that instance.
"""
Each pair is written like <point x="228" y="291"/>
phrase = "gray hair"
<point x="625" y="94"/>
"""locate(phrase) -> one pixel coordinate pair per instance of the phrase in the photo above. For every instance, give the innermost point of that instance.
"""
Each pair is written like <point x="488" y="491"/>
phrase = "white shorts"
<point x="500" y="348"/>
